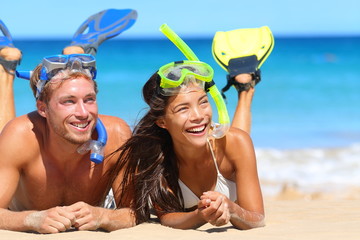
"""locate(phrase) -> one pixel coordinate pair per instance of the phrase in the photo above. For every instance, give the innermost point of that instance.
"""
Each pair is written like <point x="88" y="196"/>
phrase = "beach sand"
<point x="299" y="218"/>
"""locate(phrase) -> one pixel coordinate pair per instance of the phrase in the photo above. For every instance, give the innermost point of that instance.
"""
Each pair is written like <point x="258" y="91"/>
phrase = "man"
<point x="46" y="185"/>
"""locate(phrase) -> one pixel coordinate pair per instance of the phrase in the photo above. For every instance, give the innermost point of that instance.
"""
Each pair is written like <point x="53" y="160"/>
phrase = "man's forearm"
<point x="114" y="219"/>
<point x="15" y="221"/>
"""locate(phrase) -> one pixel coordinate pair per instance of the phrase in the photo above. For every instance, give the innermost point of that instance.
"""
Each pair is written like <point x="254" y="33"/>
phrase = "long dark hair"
<point x="148" y="161"/>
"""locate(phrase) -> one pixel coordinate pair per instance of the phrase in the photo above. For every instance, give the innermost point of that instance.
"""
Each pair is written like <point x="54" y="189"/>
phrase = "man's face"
<point x="72" y="110"/>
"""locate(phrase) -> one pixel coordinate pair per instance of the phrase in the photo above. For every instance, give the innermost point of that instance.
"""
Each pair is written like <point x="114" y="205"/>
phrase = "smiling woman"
<point x="190" y="175"/>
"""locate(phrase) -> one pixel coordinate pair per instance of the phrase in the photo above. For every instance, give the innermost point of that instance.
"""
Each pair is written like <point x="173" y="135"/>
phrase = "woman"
<point x="173" y="160"/>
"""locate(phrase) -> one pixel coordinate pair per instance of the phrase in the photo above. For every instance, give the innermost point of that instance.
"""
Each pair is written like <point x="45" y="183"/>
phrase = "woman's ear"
<point x="41" y="108"/>
<point x="161" y="123"/>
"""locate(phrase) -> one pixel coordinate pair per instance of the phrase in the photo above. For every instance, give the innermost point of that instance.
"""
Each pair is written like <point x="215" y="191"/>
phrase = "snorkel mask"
<point x="175" y="74"/>
<point x="84" y="63"/>
<point x="53" y="65"/>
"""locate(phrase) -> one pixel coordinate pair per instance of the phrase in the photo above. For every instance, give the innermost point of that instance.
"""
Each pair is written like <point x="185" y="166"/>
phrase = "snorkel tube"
<point x="218" y="129"/>
<point x="96" y="146"/>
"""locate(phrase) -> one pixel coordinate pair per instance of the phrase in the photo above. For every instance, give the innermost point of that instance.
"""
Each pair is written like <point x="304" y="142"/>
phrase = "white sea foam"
<point x="309" y="170"/>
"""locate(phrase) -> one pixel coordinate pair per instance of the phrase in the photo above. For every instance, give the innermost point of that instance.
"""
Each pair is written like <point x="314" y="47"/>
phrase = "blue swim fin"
<point x="102" y="26"/>
<point x="6" y="41"/>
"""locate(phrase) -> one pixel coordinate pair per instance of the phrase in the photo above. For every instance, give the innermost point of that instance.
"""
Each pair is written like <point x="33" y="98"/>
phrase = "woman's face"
<point x="188" y="116"/>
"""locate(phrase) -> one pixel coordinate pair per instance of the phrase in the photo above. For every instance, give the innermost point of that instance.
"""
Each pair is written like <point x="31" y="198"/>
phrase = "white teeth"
<point x="197" y="129"/>
<point x="80" y="125"/>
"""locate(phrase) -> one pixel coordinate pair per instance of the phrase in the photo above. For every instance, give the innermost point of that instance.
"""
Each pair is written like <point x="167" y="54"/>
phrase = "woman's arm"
<point x="182" y="220"/>
<point x="248" y="211"/>
<point x="215" y="212"/>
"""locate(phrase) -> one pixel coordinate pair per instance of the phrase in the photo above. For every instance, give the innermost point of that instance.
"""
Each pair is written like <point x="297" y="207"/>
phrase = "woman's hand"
<point x="213" y="207"/>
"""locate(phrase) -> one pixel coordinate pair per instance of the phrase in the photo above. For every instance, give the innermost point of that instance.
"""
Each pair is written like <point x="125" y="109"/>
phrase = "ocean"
<point x="306" y="115"/>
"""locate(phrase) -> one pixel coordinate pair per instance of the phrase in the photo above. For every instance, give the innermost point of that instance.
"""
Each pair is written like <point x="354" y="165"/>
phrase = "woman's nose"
<point x="196" y="114"/>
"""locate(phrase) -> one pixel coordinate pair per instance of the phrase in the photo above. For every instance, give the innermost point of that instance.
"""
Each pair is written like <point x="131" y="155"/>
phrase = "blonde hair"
<point x="47" y="91"/>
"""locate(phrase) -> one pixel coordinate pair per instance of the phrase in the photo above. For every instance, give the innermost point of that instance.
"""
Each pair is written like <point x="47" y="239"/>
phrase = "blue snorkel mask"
<point x="84" y="63"/>
<point x="200" y="72"/>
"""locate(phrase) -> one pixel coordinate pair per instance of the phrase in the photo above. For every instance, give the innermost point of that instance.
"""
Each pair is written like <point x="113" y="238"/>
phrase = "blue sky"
<point x="60" y="19"/>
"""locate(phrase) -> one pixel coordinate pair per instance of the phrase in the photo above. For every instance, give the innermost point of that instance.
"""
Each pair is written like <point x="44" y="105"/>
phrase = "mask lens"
<point x="57" y="59"/>
<point x="52" y="65"/>
<point x="173" y="74"/>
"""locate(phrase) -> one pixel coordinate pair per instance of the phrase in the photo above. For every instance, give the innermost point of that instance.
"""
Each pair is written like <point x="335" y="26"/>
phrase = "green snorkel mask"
<point x="200" y="72"/>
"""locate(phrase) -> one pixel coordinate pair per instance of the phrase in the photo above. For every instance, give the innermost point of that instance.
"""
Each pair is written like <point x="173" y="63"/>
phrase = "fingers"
<point x="87" y="222"/>
<point x="216" y="212"/>
<point x="204" y="203"/>
<point x="69" y="218"/>
<point x="211" y="195"/>
<point x="60" y="219"/>
<point x="75" y="207"/>
<point x="87" y="217"/>
<point x="221" y="216"/>
<point x="53" y="220"/>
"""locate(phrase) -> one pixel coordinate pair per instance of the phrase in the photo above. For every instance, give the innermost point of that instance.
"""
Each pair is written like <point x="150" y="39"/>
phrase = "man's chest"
<point x="48" y="186"/>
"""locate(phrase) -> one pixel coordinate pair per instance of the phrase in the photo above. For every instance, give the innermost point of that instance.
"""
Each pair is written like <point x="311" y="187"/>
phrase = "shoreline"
<point x="313" y="173"/>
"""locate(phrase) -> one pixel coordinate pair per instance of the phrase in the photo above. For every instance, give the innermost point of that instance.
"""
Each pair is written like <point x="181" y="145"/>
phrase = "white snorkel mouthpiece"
<point x="96" y="146"/>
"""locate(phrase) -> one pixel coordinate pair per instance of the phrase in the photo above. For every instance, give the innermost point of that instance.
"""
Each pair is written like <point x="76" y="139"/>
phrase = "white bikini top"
<point x="223" y="185"/>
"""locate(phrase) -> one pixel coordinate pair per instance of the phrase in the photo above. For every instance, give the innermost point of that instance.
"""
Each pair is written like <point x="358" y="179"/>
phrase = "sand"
<point x="285" y="219"/>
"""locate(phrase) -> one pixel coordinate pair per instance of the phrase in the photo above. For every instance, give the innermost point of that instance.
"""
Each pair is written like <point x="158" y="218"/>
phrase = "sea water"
<point x="306" y="115"/>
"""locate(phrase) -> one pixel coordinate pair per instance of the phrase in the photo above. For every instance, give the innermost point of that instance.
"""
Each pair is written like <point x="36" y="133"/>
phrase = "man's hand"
<point x="53" y="220"/>
<point x="87" y="216"/>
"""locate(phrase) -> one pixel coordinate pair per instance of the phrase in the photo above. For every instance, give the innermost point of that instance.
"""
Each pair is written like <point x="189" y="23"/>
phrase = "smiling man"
<point x="46" y="184"/>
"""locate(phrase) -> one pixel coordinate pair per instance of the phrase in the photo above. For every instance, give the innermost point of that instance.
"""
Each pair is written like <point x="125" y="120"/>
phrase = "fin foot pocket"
<point x="6" y="41"/>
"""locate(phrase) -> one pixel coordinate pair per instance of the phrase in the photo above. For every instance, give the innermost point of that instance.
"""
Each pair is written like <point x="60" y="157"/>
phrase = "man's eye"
<point x="90" y="100"/>
<point x="69" y="101"/>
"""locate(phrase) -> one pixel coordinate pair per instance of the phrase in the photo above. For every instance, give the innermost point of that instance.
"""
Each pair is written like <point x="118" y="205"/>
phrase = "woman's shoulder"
<point x="237" y="136"/>
<point x="236" y="145"/>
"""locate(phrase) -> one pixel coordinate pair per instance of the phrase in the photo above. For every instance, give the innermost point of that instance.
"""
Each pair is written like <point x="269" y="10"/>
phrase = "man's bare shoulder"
<point x="118" y="131"/>
<point x="117" y="126"/>
<point x="19" y="125"/>
<point x="19" y="138"/>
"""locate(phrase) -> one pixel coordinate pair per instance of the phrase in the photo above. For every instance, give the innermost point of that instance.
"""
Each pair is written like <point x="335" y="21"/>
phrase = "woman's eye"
<point x="204" y="101"/>
<point x="181" y="109"/>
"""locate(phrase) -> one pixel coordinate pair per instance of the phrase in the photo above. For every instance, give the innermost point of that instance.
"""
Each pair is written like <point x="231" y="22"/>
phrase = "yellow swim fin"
<point x="242" y="51"/>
